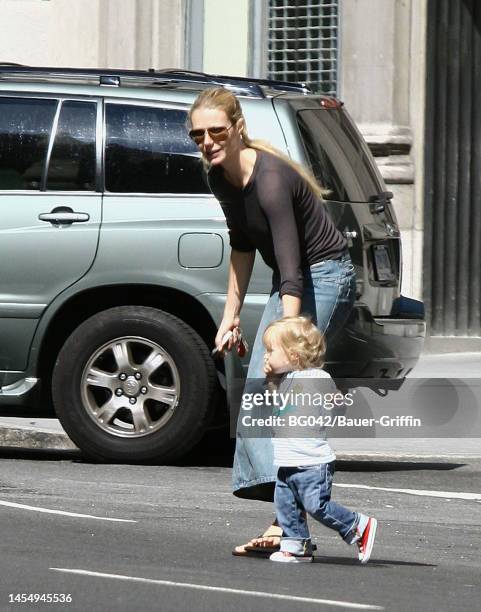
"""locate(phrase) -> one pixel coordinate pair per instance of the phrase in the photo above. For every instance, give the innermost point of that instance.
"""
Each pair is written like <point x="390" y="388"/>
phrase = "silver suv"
<point x="114" y="253"/>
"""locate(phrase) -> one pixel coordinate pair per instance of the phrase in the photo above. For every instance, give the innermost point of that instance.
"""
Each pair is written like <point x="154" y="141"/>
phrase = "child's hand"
<point x="267" y="367"/>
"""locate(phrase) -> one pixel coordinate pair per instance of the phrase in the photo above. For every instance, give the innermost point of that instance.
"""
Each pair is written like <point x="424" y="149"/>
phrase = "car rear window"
<point x="339" y="157"/>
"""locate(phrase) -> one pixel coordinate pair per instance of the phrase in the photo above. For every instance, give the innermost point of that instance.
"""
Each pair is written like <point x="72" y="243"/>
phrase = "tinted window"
<point x="148" y="151"/>
<point x="321" y="166"/>
<point x="72" y="162"/>
<point x="25" y="127"/>
<point x="340" y="159"/>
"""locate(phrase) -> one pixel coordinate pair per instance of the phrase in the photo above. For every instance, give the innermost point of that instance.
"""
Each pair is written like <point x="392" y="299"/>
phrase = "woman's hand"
<point x="230" y="324"/>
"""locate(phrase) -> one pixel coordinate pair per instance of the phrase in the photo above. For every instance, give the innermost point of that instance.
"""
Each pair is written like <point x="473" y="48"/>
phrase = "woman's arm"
<point x="275" y="192"/>
<point x="291" y="305"/>
<point x="240" y="270"/>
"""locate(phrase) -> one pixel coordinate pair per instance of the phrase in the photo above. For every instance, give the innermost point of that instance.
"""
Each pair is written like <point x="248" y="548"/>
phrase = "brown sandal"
<point x="258" y="546"/>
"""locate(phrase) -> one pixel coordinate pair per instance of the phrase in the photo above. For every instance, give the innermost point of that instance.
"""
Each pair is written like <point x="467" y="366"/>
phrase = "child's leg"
<point x="291" y="517"/>
<point x="313" y="486"/>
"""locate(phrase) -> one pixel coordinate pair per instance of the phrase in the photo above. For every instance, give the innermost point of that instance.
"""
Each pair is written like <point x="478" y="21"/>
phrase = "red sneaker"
<point x="366" y="542"/>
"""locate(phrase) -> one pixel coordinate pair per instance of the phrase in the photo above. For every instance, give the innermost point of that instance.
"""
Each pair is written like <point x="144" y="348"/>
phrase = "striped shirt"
<point x="296" y="445"/>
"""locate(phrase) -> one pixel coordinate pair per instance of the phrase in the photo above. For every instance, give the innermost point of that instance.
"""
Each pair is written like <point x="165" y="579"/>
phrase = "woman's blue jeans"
<point x="329" y="294"/>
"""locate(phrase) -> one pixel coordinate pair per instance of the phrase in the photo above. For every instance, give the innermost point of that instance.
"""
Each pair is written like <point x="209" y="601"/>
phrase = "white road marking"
<point x="444" y="494"/>
<point x="73" y="514"/>
<point x="203" y="587"/>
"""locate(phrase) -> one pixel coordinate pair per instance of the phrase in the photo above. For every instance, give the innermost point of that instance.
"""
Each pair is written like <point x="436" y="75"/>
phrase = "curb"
<point x="39" y="434"/>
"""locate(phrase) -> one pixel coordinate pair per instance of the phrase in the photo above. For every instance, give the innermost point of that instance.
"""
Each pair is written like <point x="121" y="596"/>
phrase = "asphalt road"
<point x="173" y="553"/>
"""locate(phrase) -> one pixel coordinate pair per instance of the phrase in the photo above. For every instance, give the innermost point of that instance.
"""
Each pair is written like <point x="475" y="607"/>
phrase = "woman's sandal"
<point x="264" y="545"/>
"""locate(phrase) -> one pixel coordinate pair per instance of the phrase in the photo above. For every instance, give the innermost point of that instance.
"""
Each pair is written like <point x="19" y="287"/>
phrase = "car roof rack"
<point x="147" y="78"/>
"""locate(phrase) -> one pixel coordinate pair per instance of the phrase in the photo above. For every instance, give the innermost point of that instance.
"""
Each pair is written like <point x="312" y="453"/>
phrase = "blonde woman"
<point x="273" y="206"/>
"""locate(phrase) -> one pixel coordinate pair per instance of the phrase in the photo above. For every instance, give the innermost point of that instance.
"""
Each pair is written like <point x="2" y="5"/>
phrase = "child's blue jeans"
<point x="308" y="489"/>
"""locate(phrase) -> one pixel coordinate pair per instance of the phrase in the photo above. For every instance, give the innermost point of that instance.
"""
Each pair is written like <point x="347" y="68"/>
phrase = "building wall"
<point x="226" y="43"/>
<point x="382" y="76"/>
<point x="93" y="33"/>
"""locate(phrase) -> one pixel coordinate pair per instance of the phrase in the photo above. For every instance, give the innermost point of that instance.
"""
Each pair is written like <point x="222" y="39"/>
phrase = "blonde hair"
<point x="223" y="99"/>
<point x="300" y="336"/>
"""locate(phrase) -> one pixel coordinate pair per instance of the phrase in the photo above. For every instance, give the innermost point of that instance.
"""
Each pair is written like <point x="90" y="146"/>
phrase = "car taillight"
<point x="331" y="103"/>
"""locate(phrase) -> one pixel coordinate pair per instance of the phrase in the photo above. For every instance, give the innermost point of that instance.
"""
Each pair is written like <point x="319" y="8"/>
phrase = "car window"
<point x="25" y="127"/>
<point x="148" y="150"/>
<point x="321" y="166"/>
<point x="72" y="162"/>
<point x="339" y="157"/>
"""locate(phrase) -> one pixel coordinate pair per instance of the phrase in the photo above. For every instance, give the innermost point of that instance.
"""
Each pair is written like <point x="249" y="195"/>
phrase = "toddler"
<point x="295" y="351"/>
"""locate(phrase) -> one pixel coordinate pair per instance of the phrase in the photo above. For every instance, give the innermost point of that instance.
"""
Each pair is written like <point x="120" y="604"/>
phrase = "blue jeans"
<point x="308" y="489"/>
<point x="329" y="294"/>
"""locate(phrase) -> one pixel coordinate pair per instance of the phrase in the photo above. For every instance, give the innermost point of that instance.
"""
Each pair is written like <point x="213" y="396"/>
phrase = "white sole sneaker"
<point x="367" y="540"/>
<point x="280" y="557"/>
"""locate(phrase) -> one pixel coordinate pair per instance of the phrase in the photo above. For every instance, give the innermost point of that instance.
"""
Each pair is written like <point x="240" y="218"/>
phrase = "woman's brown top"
<point x="278" y="214"/>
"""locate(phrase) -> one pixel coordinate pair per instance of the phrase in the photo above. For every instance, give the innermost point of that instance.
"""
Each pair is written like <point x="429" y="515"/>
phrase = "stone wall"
<point x="381" y="78"/>
<point x="93" y="33"/>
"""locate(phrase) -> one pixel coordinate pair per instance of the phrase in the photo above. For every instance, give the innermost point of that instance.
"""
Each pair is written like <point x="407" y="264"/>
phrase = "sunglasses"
<point x="216" y="133"/>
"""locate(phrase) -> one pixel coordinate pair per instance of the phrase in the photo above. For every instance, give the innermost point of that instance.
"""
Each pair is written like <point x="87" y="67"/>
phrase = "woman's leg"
<point x="329" y="294"/>
<point x="253" y="473"/>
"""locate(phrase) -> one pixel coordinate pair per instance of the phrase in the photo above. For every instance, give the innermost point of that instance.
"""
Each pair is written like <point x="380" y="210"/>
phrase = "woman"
<point x="272" y="205"/>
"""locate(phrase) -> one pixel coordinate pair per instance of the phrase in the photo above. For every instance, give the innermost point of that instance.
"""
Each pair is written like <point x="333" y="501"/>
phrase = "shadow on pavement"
<point x="216" y="449"/>
<point x="354" y="562"/>
<point x="39" y="454"/>
<point x="372" y="562"/>
<point x="394" y="466"/>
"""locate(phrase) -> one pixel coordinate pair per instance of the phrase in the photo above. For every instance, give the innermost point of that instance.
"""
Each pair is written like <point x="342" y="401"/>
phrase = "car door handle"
<point x="64" y="216"/>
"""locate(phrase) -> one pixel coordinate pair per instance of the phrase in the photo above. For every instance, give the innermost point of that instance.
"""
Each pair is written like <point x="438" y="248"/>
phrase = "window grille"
<point x="302" y="42"/>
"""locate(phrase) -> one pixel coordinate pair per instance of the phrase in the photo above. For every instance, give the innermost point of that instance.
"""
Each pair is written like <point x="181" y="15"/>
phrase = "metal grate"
<point x="302" y="42"/>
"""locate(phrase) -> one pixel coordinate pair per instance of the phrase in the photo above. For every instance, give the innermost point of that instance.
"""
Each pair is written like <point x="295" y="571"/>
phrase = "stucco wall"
<point x="93" y="33"/>
<point x="382" y="83"/>
<point x="226" y="36"/>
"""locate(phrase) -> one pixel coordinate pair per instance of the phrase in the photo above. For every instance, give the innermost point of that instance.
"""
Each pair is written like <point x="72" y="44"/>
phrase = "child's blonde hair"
<point x="300" y="337"/>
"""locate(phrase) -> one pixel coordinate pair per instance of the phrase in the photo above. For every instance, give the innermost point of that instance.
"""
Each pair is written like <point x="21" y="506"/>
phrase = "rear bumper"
<point x="376" y="347"/>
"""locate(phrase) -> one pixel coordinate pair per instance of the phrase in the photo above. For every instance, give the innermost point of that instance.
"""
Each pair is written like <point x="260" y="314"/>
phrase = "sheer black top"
<point x="277" y="213"/>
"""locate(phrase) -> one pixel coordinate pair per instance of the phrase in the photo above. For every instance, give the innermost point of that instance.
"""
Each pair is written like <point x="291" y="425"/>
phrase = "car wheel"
<point x="132" y="384"/>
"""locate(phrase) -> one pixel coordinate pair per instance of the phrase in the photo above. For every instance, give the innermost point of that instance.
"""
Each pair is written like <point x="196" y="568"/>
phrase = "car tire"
<point x="133" y="384"/>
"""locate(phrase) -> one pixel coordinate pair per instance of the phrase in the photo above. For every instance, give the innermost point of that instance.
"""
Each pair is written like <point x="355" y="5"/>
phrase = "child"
<point x="295" y="349"/>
